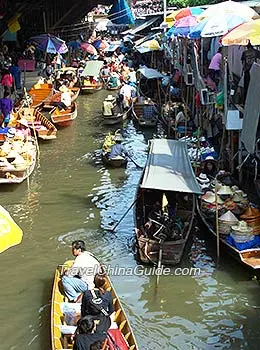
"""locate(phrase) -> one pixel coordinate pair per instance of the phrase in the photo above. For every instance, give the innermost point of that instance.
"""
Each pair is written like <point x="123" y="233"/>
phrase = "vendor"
<point x="210" y="167"/>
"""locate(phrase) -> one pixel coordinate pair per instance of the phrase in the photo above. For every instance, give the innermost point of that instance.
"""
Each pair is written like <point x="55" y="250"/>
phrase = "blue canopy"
<point x="120" y="13"/>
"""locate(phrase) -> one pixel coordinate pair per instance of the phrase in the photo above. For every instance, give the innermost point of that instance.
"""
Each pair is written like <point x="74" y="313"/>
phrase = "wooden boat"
<point x="48" y="104"/>
<point x="113" y="88"/>
<point x="165" y="203"/>
<point x="92" y="69"/>
<point x="39" y="93"/>
<point x="66" y="117"/>
<point x="15" y="174"/>
<point x="91" y="88"/>
<point x="58" y="340"/>
<point x="117" y="118"/>
<point x="248" y="257"/>
<point x="116" y="162"/>
<point x="44" y="129"/>
<point x="138" y="108"/>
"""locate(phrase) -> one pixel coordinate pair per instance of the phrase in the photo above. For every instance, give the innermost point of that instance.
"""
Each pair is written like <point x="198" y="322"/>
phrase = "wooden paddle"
<point x="122" y="218"/>
<point x="137" y="165"/>
<point x="159" y="262"/>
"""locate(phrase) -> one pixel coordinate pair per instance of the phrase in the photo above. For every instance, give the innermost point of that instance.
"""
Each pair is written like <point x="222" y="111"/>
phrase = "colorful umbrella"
<point x="215" y="26"/>
<point x="178" y="14"/>
<point x="10" y="233"/>
<point x="49" y="43"/>
<point x="182" y="27"/>
<point x="100" y="44"/>
<point x="235" y="8"/>
<point x="73" y="44"/>
<point x="244" y="33"/>
<point x="147" y="46"/>
<point x="89" y="48"/>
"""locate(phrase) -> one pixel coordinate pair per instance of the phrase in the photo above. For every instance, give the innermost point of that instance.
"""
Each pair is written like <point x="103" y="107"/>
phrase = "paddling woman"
<point x="98" y="303"/>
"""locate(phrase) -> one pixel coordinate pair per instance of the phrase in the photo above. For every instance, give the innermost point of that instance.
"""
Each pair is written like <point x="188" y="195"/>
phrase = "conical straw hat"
<point x="228" y="217"/>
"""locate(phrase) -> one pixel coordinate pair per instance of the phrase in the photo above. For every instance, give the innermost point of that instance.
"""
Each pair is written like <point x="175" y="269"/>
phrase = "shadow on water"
<point x="44" y="315"/>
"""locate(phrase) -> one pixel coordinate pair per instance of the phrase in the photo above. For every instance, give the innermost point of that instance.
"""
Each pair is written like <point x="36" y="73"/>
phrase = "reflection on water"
<point x="71" y="195"/>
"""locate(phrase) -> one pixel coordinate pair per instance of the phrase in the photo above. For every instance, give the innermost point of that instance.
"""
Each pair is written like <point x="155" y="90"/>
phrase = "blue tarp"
<point x="121" y="13"/>
<point x="242" y="246"/>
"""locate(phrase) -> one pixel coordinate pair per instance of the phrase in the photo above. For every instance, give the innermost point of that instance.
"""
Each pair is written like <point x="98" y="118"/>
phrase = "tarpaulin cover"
<point x="92" y="68"/>
<point x="150" y="73"/>
<point x="169" y="168"/>
<point x="252" y="110"/>
<point x="10" y="233"/>
<point x="141" y="26"/>
<point x="246" y="245"/>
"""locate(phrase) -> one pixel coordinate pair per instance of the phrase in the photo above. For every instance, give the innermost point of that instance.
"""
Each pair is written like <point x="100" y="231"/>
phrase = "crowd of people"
<point x="146" y="7"/>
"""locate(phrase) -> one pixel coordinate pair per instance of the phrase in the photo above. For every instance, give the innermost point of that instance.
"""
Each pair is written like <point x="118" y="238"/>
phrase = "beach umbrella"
<point x="232" y="7"/>
<point x="10" y="233"/>
<point x="242" y="34"/>
<point x="89" y="48"/>
<point x="181" y="13"/>
<point x="100" y="44"/>
<point x="215" y="26"/>
<point x="49" y="43"/>
<point x="182" y="27"/>
<point x="73" y="45"/>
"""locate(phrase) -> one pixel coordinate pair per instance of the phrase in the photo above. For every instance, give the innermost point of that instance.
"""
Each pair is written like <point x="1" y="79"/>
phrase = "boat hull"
<point x="118" y="162"/>
<point x="248" y="257"/>
<point x="65" y="119"/>
<point x="91" y="89"/>
<point x="57" y="317"/>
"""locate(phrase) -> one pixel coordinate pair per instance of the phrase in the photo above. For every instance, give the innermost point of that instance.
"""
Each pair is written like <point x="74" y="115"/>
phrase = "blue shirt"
<point x="118" y="150"/>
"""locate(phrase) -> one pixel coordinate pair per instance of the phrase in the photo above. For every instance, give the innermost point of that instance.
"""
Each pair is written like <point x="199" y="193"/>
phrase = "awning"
<point x="169" y="168"/>
<point x="141" y="27"/>
<point x="252" y="110"/>
<point x="150" y="73"/>
<point x="92" y="68"/>
<point x="142" y="40"/>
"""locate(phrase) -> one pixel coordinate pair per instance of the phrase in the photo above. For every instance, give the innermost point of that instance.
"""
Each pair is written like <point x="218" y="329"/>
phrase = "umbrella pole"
<point x="201" y="57"/>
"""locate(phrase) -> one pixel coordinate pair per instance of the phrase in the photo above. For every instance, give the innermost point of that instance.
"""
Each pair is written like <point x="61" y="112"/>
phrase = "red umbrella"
<point x="89" y="48"/>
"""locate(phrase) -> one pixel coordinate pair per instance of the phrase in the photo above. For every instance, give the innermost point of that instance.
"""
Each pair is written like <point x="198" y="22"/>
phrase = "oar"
<point x="137" y="165"/>
<point x="159" y="262"/>
<point x="122" y="218"/>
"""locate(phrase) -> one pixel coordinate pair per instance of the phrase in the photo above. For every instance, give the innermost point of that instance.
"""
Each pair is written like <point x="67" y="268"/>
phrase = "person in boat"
<point x="6" y="106"/>
<point x="98" y="303"/>
<point x="65" y="98"/>
<point x="132" y="76"/>
<point x="86" y="336"/>
<point x="118" y="149"/>
<point x="80" y="277"/>
<point x="22" y="128"/>
<point x="108" y="106"/>
<point x="209" y="167"/>
<point x="127" y="91"/>
<point x="113" y="80"/>
<point x="149" y="111"/>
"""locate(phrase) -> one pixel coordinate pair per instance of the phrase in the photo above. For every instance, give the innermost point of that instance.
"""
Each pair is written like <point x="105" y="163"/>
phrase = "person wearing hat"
<point x="108" y="105"/>
<point x="118" y="149"/>
<point x="149" y="110"/>
<point x="6" y="106"/>
<point x="210" y="168"/>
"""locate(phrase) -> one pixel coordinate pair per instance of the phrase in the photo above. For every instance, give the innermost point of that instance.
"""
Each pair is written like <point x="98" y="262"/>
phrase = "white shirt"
<point x="126" y="90"/>
<point x="86" y="267"/>
<point x="66" y="98"/>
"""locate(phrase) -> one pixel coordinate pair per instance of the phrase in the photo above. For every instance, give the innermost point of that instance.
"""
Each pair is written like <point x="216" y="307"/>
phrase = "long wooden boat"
<point x="117" y="118"/>
<point x="58" y="341"/>
<point x="39" y="93"/>
<point x="15" y="174"/>
<point x="138" y="108"/>
<point x="248" y="257"/>
<point x="48" y="103"/>
<point x="66" y="117"/>
<point x="116" y="162"/>
<point x="165" y="203"/>
<point x="44" y="129"/>
<point x="91" y="88"/>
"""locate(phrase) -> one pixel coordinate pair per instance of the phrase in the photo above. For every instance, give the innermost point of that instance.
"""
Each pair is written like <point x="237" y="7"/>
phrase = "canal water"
<point x="71" y="195"/>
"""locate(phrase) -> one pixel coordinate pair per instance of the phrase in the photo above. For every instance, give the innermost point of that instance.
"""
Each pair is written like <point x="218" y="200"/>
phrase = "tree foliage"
<point x="186" y="3"/>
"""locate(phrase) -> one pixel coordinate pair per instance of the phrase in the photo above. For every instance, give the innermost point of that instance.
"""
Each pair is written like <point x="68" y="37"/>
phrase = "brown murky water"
<point x="71" y="195"/>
